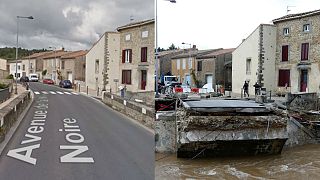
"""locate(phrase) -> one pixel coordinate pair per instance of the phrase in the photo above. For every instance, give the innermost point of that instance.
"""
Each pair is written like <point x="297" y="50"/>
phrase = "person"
<point x="257" y="88"/>
<point x="246" y="88"/>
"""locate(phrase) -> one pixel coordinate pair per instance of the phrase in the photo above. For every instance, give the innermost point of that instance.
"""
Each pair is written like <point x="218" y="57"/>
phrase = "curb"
<point x="13" y="129"/>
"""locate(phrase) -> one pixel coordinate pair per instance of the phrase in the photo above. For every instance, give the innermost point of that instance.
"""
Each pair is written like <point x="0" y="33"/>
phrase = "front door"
<point x="70" y="76"/>
<point x="188" y="80"/>
<point x="209" y="79"/>
<point x="143" y="79"/>
<point x="304" y="80"/>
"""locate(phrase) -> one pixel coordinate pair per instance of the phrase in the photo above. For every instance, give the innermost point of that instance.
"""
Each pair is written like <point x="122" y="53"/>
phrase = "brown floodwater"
<point x="301" y="162"/>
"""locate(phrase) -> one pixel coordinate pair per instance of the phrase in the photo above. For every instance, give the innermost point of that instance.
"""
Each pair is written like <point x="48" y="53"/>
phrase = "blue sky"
<point x="213" y="24"/>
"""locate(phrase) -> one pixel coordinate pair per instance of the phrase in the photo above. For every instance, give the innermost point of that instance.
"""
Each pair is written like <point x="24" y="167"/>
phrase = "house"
<point x="4" y="70"/>
<point x="184" y="66"/>
<point x="15" y="68"/>
<point x="165" y="64"/>
<point x="52" y="63"/>
<point x="215" y="68"/>
<point x="298" y="52"/>
<point x="254" y="60"/>
<point x="72" y="66"/>
<point x="33" y="64"/>
<point x="102" y="63"/>
<point x="137" y="67"/>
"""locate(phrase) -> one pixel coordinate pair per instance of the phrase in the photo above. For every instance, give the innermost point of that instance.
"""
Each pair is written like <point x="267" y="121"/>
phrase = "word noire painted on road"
<point x="33" y="139"/>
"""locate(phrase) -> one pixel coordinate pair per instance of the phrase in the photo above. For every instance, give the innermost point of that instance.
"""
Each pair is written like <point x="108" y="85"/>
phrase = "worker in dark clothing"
<point x="257" y="88"/>
<point x="246" y="88"/>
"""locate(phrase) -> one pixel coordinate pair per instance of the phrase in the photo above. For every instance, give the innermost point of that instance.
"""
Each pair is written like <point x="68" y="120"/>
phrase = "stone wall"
<point x="10" y="113"/>
<point x="141" y="113"/>
<point x="165" y="132"/>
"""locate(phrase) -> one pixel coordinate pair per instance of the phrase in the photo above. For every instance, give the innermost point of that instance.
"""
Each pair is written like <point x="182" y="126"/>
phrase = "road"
<point x="71" y="136"/>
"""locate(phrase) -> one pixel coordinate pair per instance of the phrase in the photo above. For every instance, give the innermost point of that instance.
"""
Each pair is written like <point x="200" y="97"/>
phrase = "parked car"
<point x="48" y="81"/>
<point x="24" y="79"/>
<point x="65" y="84"/>
<point x="33" y="77"/>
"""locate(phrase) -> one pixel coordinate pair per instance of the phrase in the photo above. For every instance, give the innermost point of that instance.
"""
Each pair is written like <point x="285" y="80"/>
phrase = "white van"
<point x="33" y="77"/>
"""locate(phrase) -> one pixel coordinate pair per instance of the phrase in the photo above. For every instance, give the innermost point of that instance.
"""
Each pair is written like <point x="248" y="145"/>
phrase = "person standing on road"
<point x="246" y="88"/>
<point x="257" y="88"/>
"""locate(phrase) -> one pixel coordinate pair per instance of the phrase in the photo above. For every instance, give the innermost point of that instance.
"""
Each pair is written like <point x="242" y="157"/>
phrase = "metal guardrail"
<point x="4" y="94"/>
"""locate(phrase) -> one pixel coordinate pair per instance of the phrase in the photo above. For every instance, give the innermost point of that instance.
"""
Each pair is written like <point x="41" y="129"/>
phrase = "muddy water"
<point x="295" y="163"/>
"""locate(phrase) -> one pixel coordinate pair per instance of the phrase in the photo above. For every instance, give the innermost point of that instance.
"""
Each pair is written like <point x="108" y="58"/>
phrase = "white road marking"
<point x="67" y="93"/>
<point x="74" y="93"/>
<point x="36" y="92"/>
<point x="44" y="92"/>
<point x="52" y="92"/>
<point x="59" y="92"/>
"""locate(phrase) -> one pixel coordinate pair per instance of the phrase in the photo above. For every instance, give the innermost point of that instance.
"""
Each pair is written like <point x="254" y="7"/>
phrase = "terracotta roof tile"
<point x="74" y="54"/>
<point x="216" y="53"/>
<point x="37" y="55"/>
<point x="56" y="54"/>
<point x="135" y="24"/>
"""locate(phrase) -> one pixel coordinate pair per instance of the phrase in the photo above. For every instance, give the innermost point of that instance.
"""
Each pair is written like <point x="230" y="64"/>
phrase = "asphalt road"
<point x="80" y="139"/>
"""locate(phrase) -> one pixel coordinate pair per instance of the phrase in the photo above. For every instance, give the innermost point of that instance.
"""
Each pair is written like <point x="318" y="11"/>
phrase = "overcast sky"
<point x="73" y="24"/>
<point x="213" y="24"/>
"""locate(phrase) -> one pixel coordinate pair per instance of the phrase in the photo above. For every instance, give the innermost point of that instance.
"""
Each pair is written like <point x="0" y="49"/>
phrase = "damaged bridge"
<point x="211" y="128"/>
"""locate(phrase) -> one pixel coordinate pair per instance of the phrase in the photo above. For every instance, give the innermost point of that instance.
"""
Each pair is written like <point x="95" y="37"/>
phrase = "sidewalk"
<point x="88" y="91"/>
<point x="20" y="90"/>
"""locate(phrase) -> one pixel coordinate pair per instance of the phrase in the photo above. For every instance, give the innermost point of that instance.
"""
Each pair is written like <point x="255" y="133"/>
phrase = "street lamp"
<point x="156" y="63"/>
<point x="16" y="75"/>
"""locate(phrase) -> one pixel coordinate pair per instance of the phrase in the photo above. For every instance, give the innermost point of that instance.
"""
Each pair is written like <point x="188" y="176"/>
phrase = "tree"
<point x="172" y="47"/>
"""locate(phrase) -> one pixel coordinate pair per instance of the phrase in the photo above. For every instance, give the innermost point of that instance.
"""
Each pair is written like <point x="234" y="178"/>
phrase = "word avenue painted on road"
<point x="36" y="127"/>
<point x="74" y="137"/>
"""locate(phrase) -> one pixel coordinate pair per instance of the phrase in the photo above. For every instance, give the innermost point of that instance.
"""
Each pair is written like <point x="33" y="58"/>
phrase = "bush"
<point x="10" y="76"/>
<point x="3" y="86"/>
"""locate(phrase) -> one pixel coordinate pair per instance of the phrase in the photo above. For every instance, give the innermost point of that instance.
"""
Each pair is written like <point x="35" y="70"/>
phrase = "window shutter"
<point x="123" y="79"/>
<point x="123" y="57"/>
<point x="130" y="55"/>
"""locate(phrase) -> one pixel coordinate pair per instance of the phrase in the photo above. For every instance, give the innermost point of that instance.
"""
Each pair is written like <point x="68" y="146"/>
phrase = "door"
<point x="304" y="80"/>
<point x="187" y="80"/>
<point x="70" y="76"/>
<point x="143" y="79"/>
<point x="209" y="79"/>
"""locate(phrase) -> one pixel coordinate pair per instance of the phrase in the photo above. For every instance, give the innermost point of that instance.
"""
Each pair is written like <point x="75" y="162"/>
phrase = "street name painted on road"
<point x="36" y="127"/>
<point x="74" y="137"/>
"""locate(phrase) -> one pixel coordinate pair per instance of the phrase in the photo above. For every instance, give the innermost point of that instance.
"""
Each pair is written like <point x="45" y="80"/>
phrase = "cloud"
<point x="74" y="24"/>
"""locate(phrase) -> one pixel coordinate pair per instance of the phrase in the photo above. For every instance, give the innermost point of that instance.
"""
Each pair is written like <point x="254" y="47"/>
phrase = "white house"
<point x="102" y="63"/>
<point x="254" y="60"/>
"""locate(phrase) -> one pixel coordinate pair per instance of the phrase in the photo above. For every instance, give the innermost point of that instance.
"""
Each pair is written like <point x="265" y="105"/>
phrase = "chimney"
<point x="194" y="47"/>
<point x="62" y="48"/>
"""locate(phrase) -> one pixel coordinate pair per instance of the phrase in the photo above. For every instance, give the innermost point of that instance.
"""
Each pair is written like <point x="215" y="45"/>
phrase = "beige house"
<point x="102" y="63"/>
<point x="4" y="71"/>
<point x="52" y="63"/>
<point x="137" y="68"/>
<point x="298" y="52"/>
<point x="254" y="60"/>
<point x="72" y="66"/>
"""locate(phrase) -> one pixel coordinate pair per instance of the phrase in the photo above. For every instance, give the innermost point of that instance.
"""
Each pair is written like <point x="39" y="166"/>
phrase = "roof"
<point x="216" y="53"/>
<point x="296" y="16"/>
<point x="193" y="52"/>
<point x="170" y="52"/>
<point x="56" y="54"/>
<point x="74" y="54"/>
<point x="135" y="24"/>
<point x="37" y="55"/>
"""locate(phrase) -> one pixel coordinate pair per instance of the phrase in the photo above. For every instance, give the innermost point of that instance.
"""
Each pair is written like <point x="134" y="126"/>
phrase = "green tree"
<point x="172" y="47"/>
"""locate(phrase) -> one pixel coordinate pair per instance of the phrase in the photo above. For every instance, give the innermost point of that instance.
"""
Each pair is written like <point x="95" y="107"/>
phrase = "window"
<point x="127" y="56"/>
<point x="144" y="56"/>
<point x="23" y="67"/>
<point x="183" y="63"/>
<point x="285" y="53"/>
<point x="143" y="79"/>
<point x="284" y="78"/>
<point x="306" y="27"/>
<point x="304" y="51"/>
<point x="199" y="66"/>
<point x="62" y="64"/>
<point x="15" y="74"/>
<point x="31" y="66"/>
<point x="144" y="34"/>
<point x="97" y="66"/>
<point x="285" y="31"/>
<point x="190" y="63"/>
<point x="248" y="66"/>
<point x="128" y="37"/>
<point x="178" y="64"/>
<point x="126" y="76"/>
<point x="18" y="67"/>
